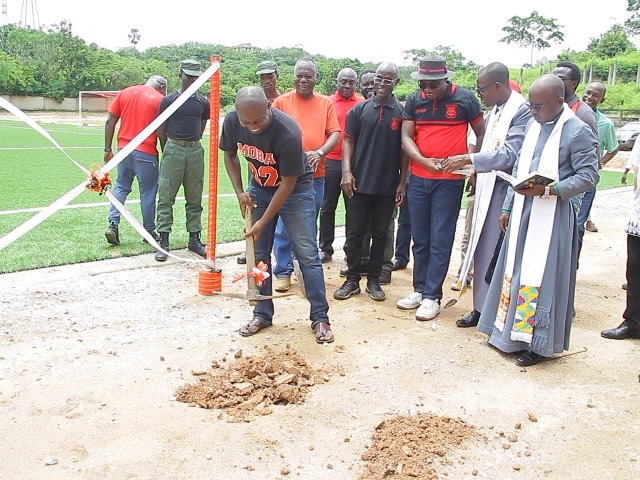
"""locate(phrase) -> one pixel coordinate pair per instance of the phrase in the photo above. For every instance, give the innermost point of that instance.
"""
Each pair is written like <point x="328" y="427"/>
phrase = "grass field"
<point x="33" y="174"/>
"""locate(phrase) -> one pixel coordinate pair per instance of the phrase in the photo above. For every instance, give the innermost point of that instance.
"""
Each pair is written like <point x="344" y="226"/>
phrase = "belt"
<point x="186" y="143"/>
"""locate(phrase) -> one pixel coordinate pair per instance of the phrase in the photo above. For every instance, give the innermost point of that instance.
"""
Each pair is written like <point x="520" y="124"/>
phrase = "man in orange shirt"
<point x="343" y="100"/>
<point x="135" y="107"/>
<point x="317" y="119"/>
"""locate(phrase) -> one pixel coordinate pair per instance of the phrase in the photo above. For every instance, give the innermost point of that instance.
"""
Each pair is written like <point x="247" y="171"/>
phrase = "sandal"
<point x="253" y="327"/>
<point x="323" y="332"/>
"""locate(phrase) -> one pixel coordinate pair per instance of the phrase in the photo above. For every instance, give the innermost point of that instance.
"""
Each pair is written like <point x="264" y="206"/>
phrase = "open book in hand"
<point x="526" y="181"/>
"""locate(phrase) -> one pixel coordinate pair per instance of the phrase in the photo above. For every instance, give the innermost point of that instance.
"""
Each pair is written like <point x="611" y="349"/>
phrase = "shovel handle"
<point x="250" y="249"/>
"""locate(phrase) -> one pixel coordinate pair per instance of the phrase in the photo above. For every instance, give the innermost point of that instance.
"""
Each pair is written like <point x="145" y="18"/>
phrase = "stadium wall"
<point x="89" y="104"/>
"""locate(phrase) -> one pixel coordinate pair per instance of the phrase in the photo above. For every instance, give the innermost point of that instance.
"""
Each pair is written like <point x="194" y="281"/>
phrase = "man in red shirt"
<point x="436" y="120"/>
<point x="136" y="107"/>
<point x="344" y="99"/>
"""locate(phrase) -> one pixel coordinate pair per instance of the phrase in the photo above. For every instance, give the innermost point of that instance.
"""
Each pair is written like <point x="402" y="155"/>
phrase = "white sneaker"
<point x="412" y="302"/>
<point x="428" y="309"/>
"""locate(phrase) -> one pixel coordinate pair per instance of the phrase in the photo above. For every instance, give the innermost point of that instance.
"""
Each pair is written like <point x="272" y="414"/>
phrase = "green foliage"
<point x="612" y="43"/>
<point x="632" y="24"/>
<point x="455" y="60"/>
<point x="534" y="31"/>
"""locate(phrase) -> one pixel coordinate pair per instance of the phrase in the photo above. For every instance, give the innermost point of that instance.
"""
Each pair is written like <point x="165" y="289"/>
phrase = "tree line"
<point x="54" y="62"/>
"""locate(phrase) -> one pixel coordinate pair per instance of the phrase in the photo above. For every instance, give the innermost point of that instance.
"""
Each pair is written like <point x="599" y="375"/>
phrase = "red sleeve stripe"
<point x="481" y="117"/>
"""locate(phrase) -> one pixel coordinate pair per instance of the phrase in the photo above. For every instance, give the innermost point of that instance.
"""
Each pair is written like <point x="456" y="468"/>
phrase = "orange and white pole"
<point x="210" y="278"/>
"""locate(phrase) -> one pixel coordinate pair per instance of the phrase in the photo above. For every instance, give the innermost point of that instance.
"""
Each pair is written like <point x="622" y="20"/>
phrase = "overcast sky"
<point x="368" y="31"/>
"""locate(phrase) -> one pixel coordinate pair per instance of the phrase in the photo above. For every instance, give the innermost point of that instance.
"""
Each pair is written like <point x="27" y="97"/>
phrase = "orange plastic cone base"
<point x="209" y="281"/>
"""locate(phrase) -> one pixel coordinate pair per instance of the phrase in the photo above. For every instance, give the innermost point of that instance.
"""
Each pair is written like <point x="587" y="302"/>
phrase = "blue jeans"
<point x="298" y="217"/>
<point x="403" y="237"/>
<point x="585" y="208"/>
<point x="145" y="167"/>
<point x="433" y="207"/>
<point x="282" y="241"/>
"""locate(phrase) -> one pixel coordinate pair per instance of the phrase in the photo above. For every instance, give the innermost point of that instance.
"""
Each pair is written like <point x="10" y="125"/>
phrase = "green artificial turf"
<point x="33" y="175"/>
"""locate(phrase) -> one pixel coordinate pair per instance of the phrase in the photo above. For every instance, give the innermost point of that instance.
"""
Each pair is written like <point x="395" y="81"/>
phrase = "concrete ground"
<point x="91" y="355"/>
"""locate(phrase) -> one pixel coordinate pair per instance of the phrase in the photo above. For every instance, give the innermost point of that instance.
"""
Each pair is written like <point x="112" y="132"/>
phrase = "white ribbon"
<point x="37" y="219"/>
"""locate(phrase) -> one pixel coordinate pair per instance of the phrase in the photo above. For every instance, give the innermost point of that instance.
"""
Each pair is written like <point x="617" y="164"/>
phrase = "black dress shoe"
<point x="398" y="265"/>
<point x="324" y="257"/>
<point x="242" y="259"/>
<point x="623" y="331"/>
<point x="469" y="320"/>
<point x="527" y="359"/>
<point x="385" y="275"/>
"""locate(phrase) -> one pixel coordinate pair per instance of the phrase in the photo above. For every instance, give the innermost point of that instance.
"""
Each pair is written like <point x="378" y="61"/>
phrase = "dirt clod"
<point x="413" y="446"/>
<point x="532" y="417"/>
<point x="285" y="471"/>
<point x="247" y="387"/>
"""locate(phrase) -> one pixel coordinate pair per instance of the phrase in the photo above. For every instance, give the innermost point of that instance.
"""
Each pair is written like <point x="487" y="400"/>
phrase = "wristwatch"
<point x="108" y="149"/>
<point x="547" y="191"/>
<point x="320" y="152"/>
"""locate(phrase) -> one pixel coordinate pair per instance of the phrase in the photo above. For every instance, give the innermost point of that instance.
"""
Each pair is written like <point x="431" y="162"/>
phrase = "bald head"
<point x="347" y="72"/>
<point x="347" y="82"/>
<point x="253" y="109"/>
<point x="546" y="98"/>
<point x="594" y="94"/>
<point x="597" y="86"/>
<point x="550" y="84"/>
<point x="388" y="67"/>
<point x="252" y="95"/>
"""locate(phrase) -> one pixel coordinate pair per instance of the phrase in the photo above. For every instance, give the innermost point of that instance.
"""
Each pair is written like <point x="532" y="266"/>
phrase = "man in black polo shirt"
<point x="182" y="160"/>
<point x="281" y="186"/>
<point x="373" y="171"/>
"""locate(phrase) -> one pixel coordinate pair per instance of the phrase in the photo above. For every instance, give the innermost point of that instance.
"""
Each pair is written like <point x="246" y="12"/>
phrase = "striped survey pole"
<point x="210" y="278"/>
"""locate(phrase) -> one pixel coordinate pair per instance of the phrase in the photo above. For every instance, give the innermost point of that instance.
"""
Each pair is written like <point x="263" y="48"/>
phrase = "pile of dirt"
<point x="249" y="386"/>
<point x="413" y="446"/>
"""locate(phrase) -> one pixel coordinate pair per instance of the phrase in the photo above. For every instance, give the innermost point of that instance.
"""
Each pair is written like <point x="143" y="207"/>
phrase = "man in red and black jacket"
<point x="435" y="125"/>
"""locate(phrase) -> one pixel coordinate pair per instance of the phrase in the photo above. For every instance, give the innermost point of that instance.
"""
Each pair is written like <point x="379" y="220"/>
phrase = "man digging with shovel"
<point x="281" y="187"/>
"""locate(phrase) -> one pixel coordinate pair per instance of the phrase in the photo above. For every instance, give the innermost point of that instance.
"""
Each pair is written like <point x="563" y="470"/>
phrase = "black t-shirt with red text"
<point x="274" y="152"/>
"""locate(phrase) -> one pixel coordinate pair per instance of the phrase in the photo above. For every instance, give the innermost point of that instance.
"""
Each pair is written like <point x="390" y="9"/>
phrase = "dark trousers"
<point x="403" y="237"/>
<point x="434" y="205"/>
<point x="332" y="191"/>
<point x="388" y="249"/>
<point x="585" y="209"/>
<point x="632" y="312"/>
<point x="364" y="211"/>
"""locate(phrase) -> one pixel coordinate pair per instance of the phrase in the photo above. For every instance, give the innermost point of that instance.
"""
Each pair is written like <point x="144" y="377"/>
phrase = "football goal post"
<point x="94" y="101"/>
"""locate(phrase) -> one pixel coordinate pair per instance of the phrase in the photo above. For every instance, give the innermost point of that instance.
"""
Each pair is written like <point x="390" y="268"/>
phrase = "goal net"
<point x="93" y="105"/>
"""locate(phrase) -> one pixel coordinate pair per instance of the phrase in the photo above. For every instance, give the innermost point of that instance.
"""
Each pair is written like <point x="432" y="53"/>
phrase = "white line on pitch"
<point x="91" y="205"/>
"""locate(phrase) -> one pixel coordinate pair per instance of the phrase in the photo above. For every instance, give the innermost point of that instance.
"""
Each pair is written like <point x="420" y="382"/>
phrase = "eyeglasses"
<point x="430" y="83"/>
<point x="539" y="106"/>
<point x="480" y="89"/>
<point x="384" y="81"/>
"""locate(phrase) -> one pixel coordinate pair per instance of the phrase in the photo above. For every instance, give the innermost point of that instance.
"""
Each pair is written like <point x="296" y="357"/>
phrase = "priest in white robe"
<point x="529" y="306"/>
<point x="505" y="127"/>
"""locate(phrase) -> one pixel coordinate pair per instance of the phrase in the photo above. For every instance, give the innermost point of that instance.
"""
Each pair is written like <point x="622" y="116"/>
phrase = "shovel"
<point x="253" y="294"/>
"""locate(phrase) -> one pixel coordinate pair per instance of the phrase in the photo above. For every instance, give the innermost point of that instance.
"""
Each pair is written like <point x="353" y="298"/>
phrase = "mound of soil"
<point x="407" y="446"/>
<point x="249" y="386"/>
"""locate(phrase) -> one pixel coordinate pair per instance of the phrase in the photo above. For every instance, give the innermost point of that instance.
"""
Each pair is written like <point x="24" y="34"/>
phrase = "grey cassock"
<point x="578" y="172"/>
<point x="502" y="159"/>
